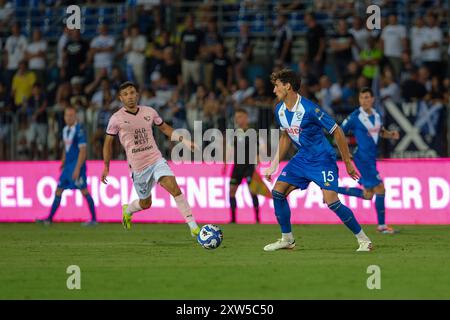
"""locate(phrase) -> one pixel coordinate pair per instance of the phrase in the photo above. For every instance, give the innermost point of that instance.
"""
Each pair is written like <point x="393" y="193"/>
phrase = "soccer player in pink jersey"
<point x="133" y="125"/>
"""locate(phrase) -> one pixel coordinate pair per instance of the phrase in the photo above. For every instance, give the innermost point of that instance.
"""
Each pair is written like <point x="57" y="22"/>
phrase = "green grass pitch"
<point x="162" y="261"/>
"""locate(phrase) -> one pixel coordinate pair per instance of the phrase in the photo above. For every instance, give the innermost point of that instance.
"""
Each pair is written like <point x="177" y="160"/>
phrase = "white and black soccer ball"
<point x="210" y="236"/>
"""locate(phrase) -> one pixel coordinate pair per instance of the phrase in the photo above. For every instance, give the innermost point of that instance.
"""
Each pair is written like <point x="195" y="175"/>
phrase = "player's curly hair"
<point x="286" y="76"/>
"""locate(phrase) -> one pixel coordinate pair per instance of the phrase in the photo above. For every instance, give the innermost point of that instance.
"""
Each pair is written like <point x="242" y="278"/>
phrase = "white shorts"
<point x="145" y="180"/>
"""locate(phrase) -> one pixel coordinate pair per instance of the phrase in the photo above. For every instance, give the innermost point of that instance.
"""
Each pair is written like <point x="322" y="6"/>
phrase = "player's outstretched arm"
<point x="384" y="133"/>
<point x="282" y="149"/>
<point x="173" y="135"/>
<point x="107" y="154"/>
<point x="341" y="142"/>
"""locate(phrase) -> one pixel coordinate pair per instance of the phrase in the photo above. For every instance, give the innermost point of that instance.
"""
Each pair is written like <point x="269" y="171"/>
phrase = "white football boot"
<point x="364" y="245"/>
<point x="280" y="244"/>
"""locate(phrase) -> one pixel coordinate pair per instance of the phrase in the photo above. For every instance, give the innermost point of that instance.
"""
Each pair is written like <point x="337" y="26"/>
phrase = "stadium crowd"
<point x="194" y="74"/>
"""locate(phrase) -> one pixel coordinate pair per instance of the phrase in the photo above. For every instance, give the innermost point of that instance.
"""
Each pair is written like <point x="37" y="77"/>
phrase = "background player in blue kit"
<point x="302" y="122"/>
<point x="73" y="166"/>
<point x="366" y="125"/>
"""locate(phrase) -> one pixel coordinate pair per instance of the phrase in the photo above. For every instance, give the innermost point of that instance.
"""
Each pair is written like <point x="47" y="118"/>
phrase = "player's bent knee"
<point x="380" y="189"/>
<point x="276" y="195"/>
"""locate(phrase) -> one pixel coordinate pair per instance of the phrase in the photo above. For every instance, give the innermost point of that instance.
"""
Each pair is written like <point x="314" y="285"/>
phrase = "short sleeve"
<point x="81" y="136"/>
<point x="277" y="119"/>
<point x="157" y="120"/>
<point x="113" y="127"/>
<point x="324" y="120"/>
<point x="348" y="124"/>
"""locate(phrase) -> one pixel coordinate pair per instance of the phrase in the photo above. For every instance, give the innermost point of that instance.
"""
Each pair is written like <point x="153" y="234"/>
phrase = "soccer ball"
<point x="210" y="236"/>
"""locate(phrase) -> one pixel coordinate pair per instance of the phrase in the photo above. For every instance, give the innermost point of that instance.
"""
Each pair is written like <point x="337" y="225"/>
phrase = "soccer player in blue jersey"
<point x="302" y="122"/>
<point x="366" y="125"/>
<point x="73" y="166"/>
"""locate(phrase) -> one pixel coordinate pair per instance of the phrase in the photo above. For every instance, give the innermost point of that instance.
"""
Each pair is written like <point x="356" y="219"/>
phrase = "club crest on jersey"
<point x="147" y="118"/>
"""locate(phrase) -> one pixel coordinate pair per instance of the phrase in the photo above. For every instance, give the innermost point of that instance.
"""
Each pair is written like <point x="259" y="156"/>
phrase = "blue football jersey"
<point x="304" y="125"/>
<point x="74" y="137"/>
<point x="366" y="129"/>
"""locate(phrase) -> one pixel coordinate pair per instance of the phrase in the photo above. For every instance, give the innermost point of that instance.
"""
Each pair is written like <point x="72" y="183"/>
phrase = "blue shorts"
<point x="369" y="174"/>
<point x="66" y="181"/>
<point x="324" y="174"/>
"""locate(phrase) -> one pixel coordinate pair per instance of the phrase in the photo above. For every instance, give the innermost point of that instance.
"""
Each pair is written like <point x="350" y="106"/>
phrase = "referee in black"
<point x="241" y="170"/>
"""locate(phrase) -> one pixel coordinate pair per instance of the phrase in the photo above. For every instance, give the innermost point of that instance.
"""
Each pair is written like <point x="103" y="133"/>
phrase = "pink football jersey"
<point x="136" y="135"/>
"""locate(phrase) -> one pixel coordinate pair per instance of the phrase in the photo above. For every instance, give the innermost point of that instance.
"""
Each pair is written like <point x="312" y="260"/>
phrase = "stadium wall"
<point x="417" y="192"/>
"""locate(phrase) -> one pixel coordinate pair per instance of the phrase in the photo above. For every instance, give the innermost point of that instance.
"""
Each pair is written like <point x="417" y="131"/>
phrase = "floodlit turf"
<point x="163" y="262"/>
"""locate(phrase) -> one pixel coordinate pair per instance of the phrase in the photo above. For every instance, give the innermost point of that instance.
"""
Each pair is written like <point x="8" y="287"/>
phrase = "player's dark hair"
<point x="127" y="84"/>
<point x="365" y="90"/>
<point x="242" y="110"/>
<point x="286" y="76"/>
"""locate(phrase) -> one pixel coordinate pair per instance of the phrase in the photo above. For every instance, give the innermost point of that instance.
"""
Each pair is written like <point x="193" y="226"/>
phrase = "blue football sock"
<point x="233" y="206"/>
<point x="346" y="215"/>
<point x="379" y="205"/>
<point x="91" y="205"/>
<point x="355" y="192"/>
<point x="282" y="211"/>
<point x="55" y="206"/>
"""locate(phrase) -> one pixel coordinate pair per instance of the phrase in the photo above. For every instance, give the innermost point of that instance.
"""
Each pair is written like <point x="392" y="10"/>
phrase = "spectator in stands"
<point x="222" y="67"/>
<point x="431" y="47"/>
<point x="389" y="89"/>
<point x="212" y="112"/>
<point x="261" y="101"/>
<point x="211" y="40"/>
<point x="116" y="78"/>
<point x="102" y="50"/>
<point x="408" y="67"/>
<point x="240" y="96"/>
<point x="103" y="115"/>
<point x="243" y="51"/>
<point x="61" y="44"/>
<point x="155" y="51"/>
<point x="6" y="12"/>
<point x="135" y="45"/>
<point x="194" y="110"/>
<point x="37" y="108"/>
<point x="309" y="81"/>
<point x="15" y="48"/>
<point x="417" y="39"/>
<point x="370" y="59"/>
<point x="361" y="37"/>
<point x="22" y="84"/>
<point x="90" y="89"/>
<point x="78" y="98"/>
<point x="36" y="55"/>
<point x="177" y="111"/>
<point x="170" y="68"/>
<point x="394" y="43"/>
<point x="412" y="89"/>
<point x="448" y="54"/>
<point x="436" y="94"/>
<point x="315" y="49"/>
<point x="191" y="43"/>
<point x="283" y="41"/>
<point x="74" y="56"/>
<point x="329" y="95"/>
<point x="424" y="77"/>
<point x="105" y="90"/>
<point x="341" y="44"/>
<point x="6" y="119"/>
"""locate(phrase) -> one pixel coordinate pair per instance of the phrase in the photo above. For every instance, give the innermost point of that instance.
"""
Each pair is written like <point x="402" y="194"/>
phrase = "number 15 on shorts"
<point x="327" y="176"/>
